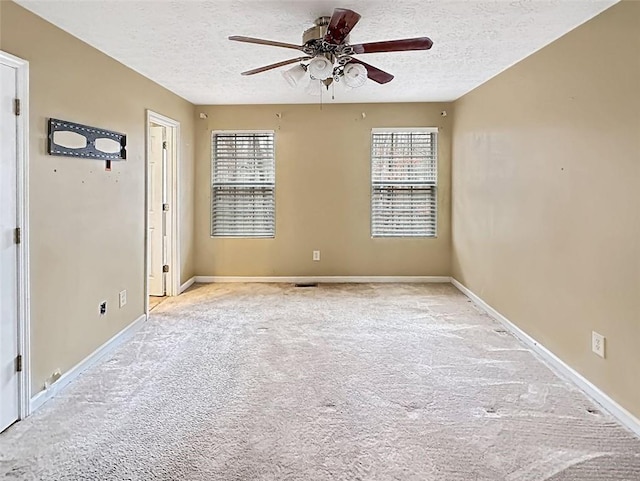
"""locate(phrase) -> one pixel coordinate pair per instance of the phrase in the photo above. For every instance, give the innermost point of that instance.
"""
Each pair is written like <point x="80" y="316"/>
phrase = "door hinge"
<point x="16" y="106"/>
<point x="165" y="268"/>
<point x="165" y="207"/>
<point x="19" y="363"/>
<point x="18" y="235"/>
<point x="164" y="144"/>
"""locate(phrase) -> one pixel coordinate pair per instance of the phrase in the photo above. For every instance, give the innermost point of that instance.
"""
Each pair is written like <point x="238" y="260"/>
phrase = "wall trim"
<point x="91" y="360"/>
<point x="325" y="279"/>
<point x="172" y="218"/>
<point x="187" y="285"/>
<point x="558" y="365"/>
<point x="24" y="282"/>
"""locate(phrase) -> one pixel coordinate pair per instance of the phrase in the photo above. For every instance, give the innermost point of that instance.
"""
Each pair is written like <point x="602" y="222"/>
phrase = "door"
<point x="157" y="156"/>
<point x="9" y="381"/>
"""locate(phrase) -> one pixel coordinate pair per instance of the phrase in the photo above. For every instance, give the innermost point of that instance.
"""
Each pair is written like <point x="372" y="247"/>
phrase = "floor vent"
<point x="306" y="284"/>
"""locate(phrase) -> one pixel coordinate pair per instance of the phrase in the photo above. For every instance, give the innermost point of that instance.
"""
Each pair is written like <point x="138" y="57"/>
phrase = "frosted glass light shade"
<point x="355" y="75"/>
<point x="321" y="68"/>
<point x="314" y="88"/>
<point x="294" y="75"/>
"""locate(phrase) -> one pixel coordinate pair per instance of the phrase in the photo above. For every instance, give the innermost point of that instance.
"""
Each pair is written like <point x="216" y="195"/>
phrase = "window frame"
<point x="391" y="130"/>
<point x="212" y="164"/>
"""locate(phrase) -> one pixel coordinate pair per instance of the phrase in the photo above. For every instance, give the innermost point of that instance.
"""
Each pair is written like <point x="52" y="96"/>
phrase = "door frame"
<point x="173" y="219"/>
<point x="24" y="292"/>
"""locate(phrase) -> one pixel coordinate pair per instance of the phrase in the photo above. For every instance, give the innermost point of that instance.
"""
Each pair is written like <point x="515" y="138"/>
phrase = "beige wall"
<point x="322" y="194"/>
<point x="546" y="186"/>
<point x="546" y="224"/>
<point x="87" y="225"/>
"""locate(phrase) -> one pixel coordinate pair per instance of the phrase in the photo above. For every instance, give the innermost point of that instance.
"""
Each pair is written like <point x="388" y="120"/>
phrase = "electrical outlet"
<point x="122" y="298"/>
<point x="103" y="308"/>
<point x="597" y="344"/>
<point x="316" y="255"/>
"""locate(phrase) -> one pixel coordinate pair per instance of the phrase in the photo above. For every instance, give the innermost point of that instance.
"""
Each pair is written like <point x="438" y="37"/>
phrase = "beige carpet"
<point x="154" y="301"/>
<point x="362" y="382"/>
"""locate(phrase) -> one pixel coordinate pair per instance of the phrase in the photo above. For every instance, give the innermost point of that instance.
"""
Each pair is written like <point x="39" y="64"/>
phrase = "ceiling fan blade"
<point x="421" y="43"/>
<point x="374" y="73"/>
<point x="260" y="41"/>
<point x="275" y="65"/>
<point x="341" y="23"/>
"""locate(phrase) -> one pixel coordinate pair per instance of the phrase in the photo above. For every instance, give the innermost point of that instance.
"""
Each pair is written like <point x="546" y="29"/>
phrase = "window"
<point x="243" y="184"/>
<point x="404" y="173"/>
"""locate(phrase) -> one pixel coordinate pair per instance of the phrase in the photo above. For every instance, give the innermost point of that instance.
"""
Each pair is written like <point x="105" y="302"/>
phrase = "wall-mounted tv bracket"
<point x="78" y="140"/>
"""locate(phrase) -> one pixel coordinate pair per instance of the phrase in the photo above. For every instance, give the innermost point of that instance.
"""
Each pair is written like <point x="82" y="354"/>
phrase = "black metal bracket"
<point x="91" y="134"/>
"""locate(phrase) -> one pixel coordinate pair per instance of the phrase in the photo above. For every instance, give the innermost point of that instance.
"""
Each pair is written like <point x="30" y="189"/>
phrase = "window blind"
<point x="243" y="184"/>
<point x="404" y="178"/>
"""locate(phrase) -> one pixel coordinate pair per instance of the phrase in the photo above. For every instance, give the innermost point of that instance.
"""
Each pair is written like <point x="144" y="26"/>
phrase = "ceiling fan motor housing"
<point x="313" y="40"/>
<point x="318" y="31"/>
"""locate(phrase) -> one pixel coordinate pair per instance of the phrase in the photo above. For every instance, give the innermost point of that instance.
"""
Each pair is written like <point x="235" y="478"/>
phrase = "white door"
<point x="9" y="386"/>
<point x="156" y="214"/>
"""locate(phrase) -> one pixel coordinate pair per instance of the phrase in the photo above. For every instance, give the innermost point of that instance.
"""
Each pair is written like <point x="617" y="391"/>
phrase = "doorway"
<point x="14" y="271"/>
<point x="162" y="272"/>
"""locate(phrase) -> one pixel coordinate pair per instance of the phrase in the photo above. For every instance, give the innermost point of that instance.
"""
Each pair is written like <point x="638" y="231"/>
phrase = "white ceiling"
<point x="183" y="46"/>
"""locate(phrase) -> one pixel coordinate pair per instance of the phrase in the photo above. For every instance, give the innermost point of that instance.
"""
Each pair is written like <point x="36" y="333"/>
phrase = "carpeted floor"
<point x="155" y="301"/>
<point x="352" y="382"/>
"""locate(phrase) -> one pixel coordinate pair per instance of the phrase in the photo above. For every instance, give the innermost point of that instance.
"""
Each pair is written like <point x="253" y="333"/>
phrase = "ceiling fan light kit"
<point x="329" y="55"/>
<point x="295" y="74"/>
<point x="320" y="68"/>
<point x="355" y="75"/>
<point x="314" y="88"/>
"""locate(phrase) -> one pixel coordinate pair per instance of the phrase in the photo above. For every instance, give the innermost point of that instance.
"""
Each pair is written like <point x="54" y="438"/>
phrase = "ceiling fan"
<point x="329" y="56"/>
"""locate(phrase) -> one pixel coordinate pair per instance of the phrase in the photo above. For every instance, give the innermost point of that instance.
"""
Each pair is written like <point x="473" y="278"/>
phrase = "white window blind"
<point x="243" y="184"/>
<point x="404" y="180"/>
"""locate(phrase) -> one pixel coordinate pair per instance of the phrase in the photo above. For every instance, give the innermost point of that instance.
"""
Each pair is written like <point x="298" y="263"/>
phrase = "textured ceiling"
<point x="183" y="45"/>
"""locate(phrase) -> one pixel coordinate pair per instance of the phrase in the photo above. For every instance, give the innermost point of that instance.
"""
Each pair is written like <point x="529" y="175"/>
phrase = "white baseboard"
<point x="558" y="365"/>
<point x="43" y="396"/>
<point x="325" y="279"/>
<point x="187" y="285"/>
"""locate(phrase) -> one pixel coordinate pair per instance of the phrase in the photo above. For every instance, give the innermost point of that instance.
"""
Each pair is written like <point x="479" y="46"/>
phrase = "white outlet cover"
<point x="123" y="298"/>
<point x="316" y="255"/>
<point x="598" y="344"/>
